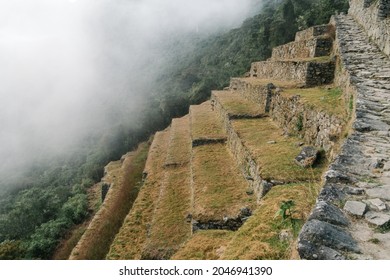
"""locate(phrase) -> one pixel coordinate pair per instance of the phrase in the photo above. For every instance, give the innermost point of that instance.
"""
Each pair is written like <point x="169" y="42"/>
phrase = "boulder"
<point x="307" y="156"/>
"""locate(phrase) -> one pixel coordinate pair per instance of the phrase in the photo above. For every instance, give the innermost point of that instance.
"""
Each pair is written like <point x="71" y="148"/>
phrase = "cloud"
<point x="64" y="62"/>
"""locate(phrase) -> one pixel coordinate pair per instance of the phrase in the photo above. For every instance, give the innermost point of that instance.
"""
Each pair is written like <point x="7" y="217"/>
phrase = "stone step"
<point x="169" y="227"/>
<point x="314" y="47"/>
<point x="307" y="73"/>
<point x="251" y="139"/>
<point x="179" y="142"/>
<point x="132" y="237"/>
<point x="237" y="106"/>
<point x="313" y="32"/>
<point x="205" y="126"/>
<point x="221" y="198"/>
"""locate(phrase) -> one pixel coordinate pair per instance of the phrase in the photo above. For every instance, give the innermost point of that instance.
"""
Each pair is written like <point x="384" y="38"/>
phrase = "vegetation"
<point x="261" y="236"/>
<point x="205" y="123"/>
<point x="219" y="187"/>
<point x="237" y="105"/>
<point x="41" y="205"/>
<point x="276" y="160"/>
<point x="132" y="237"/>
<point x="325" y="98"/>
<point x="205" y="245"/>
<point x="125" y="180"/>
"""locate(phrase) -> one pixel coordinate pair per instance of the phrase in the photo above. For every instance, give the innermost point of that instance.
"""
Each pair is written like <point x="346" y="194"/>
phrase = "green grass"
<point x="276" y="161"/>
<point x="259" y="238"/>
<point x="325" y="99"/>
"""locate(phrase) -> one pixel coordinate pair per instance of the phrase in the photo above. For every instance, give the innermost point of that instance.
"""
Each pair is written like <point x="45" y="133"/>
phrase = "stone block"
<point x="355" y="208"/>
<point x="377" y="218"/>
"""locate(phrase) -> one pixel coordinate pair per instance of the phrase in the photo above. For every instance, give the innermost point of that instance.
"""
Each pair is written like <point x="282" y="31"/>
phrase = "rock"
<point x="333" y="176"/>
<point x="310" y="252"/>
<point x="315" y="234"/>
<point x="380" y="192"/>
<point x="377" y="204"/>
<point x="331" y="193"/>
<point x="327" y="212"/>
<point x="355" y="208"/>
<point x="307" y="156"/>
<point x="378" y="219"/>
<point x="354" y="191"/>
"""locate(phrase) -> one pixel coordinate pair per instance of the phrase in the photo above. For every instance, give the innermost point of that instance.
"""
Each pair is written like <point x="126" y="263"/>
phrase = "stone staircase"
<point x="351" y="218"/>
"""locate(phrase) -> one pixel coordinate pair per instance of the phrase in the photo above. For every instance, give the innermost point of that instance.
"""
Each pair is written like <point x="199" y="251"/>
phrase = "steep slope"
<point x="219" y="174"/>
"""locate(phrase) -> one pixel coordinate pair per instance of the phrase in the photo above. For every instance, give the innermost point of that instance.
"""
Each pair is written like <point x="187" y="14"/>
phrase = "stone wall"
<point x="308" y="73"/>
<point x="311" y="32"/>
<point x="315" y="47"/>
<point x="316" y="128"/>
<point x="260" y="94"/>
<point x="242" y="155"/>
<point x="374" y="17"/>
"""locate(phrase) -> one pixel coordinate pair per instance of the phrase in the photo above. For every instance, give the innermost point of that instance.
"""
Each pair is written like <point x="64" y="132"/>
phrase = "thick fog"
<point x="66" y="66"/>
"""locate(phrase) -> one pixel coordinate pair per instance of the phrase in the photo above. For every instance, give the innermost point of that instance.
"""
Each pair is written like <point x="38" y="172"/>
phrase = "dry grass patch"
<point x="319" y="59"/>
<point x="205" y="245"/>
<point x="170" y="228"/>
<point x="235" y="104"/>
<point x="263" y="82"/>
<point x="124" y="179"/>
<point x="130" y="240"/>
<point x="328" y="99"/>
<point x="219" y="186"/>
<point x="205" y="123"/>
<point x="259" y="237"/>
<point x="276" y="161"/>
<point x="180" y="142"/>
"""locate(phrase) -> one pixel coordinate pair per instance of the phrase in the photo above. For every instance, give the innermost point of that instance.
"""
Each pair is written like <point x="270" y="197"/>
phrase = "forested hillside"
<point x="38" y="207"/>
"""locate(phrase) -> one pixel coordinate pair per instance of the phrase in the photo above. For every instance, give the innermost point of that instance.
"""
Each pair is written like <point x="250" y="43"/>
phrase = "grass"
<point x="129" y="241"/>
<point x="65" y="248"/>
<point x="319" y="59"/>
<point x="124" y="180"/>
<point x="219" y="187"/>
<point x="180" y="142"/>
<point x="276" y="160"/>
<point x="264" y="82"/>
<point x="205" y="245"/>
<point x="205" y="123"/>
<point x="259" y="238"/>
<point x="235" y="104"/>
<point x="169" y="228"/>
<point x="325" y="99"/>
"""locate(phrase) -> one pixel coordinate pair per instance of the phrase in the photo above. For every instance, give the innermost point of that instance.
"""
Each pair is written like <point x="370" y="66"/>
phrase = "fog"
<point x="66" y="66"/>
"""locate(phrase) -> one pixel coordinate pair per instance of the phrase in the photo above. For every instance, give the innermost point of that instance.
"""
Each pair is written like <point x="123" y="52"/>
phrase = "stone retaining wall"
<point x="315" y="47"/>
<point x="308" y="73"/>
<point x="316" y="128"/>
<point x="374" y="17"/>
<point x="242" y="155"/>
<point x="311" y="32"/>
